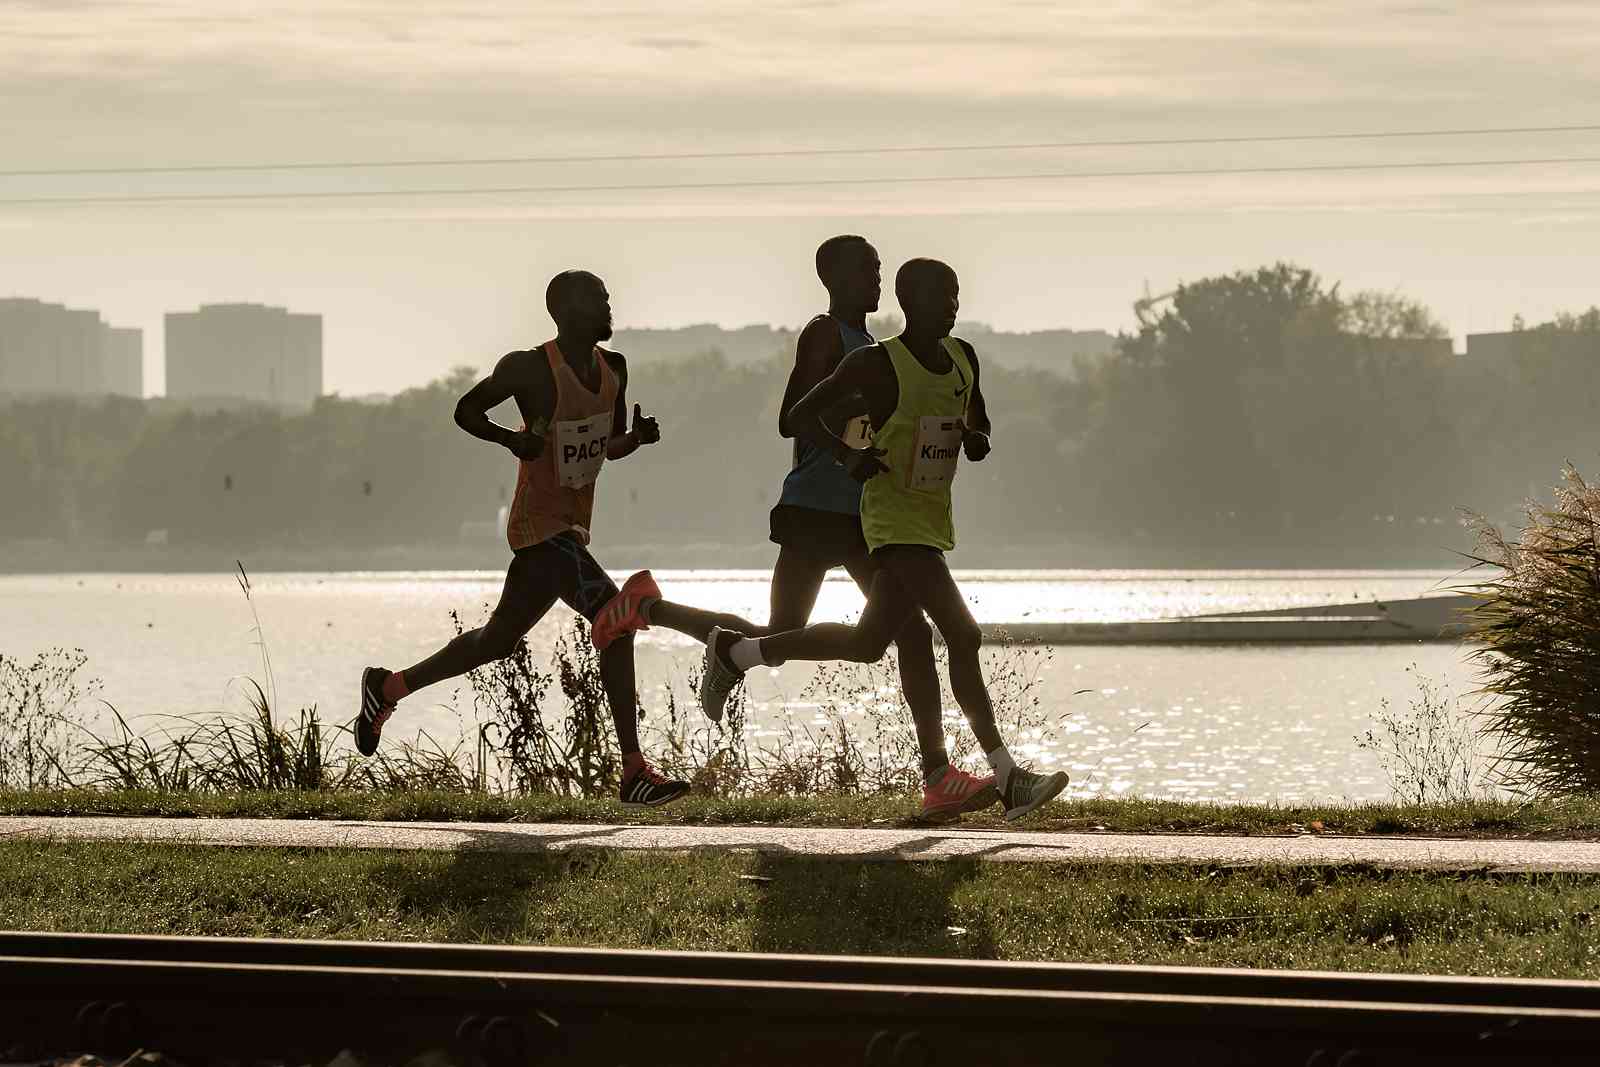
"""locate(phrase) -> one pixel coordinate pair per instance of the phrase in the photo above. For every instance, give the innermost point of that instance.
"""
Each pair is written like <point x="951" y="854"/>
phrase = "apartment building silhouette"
<point x="232" y="354"/>
<point x="50" y="349"/>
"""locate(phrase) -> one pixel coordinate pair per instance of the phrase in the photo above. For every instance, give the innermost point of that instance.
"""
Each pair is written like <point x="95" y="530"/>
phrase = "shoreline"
<point x="24" y="558"/>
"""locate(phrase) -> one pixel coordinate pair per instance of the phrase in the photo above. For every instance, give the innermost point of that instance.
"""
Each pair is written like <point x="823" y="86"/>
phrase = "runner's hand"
<point x="864" y="463"/>
<point x="525" y="444"/>
<point x="645" y="428"/>
<point x="974" y="442"/>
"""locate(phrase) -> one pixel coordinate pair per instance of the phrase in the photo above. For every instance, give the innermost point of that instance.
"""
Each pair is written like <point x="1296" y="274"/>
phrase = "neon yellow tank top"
<point x="910" y="503"/>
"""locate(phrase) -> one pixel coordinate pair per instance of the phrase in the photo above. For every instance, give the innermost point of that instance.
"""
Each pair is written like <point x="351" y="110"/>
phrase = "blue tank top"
<point x="817" y="480"/>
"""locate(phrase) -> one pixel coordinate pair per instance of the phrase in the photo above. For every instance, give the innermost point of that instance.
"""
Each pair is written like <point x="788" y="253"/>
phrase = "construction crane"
<point x="1142" y="306"/>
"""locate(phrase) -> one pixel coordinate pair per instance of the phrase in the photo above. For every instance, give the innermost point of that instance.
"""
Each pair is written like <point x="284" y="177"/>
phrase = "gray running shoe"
<point x="717" y="678"/>
<point x="1026" y="791"/>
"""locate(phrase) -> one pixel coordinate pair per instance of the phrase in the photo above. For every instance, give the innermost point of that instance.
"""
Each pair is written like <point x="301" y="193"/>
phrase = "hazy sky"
<point x="411" y="285"/>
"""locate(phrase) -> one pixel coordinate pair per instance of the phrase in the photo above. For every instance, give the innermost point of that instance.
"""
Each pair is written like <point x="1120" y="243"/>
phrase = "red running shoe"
<point x="623" y="613"/>
<point x="956" y="794"/>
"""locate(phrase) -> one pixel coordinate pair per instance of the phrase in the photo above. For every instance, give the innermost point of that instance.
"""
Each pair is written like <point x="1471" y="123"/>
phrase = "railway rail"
<point x="208" y="999"/>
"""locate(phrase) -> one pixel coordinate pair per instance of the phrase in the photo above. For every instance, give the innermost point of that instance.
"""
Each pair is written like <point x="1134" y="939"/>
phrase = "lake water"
<point x="1260" y="723"/>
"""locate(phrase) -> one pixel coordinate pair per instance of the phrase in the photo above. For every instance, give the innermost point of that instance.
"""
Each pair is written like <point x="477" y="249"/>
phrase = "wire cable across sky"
<point x="790" y="183"/>
<point x="790" y="153"/>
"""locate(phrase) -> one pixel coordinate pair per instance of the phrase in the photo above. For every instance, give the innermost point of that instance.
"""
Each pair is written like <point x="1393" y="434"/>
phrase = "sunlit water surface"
<point x="1260" y="723"/>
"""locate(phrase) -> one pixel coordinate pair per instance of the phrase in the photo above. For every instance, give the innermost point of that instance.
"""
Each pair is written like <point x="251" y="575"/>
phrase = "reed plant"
<point x="1540" y="657"/>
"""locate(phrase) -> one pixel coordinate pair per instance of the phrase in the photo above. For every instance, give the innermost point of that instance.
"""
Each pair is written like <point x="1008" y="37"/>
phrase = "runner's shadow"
<point x="481" y="840"/>
<point x="869" y="904"/>
<point x="489" y="889"/>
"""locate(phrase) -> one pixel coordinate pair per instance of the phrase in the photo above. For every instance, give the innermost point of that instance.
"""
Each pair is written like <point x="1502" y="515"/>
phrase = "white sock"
<point x="1002" y="764"/>
<point x="746" y="653"/>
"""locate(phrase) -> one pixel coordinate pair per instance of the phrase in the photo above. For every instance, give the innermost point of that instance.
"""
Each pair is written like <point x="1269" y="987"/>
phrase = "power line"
<point x="790" y="153"/>
<point x="785" y="183"/>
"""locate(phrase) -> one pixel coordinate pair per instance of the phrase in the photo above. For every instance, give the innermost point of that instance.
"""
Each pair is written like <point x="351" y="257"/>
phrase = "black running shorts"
<point x="826" y="536"/>
<point x="557" y="568"/>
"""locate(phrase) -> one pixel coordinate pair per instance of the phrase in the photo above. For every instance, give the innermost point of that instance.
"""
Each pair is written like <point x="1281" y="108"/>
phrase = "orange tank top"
<point x="555" y="492"/>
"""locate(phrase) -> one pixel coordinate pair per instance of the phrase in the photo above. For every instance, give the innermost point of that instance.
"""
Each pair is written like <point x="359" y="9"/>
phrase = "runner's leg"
<point x="585" y="587"/>
<point x="924" y="570"/>
<point x="695" y="622"/>
<point x="919" y="675"/>
<point x="889" y="605"/>
<point x="796" y="580"/>
<point x="524" y="599"/>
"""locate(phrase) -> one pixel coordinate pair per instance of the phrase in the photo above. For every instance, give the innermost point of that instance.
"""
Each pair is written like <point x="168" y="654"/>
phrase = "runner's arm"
<point x="975" y="435"/>
<point x="816" y="354"/>
<point x="644" y="432"/>
<point x="513" y="376"/>
<point x="855" y="375"/>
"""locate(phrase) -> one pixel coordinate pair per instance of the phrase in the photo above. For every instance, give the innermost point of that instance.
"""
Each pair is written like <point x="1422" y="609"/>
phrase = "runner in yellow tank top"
<point x="925" y="403"/>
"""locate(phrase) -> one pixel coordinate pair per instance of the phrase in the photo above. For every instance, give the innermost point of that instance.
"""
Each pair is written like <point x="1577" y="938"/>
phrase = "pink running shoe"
<point x="956" y="794"/>
<point x="623" y="613"/>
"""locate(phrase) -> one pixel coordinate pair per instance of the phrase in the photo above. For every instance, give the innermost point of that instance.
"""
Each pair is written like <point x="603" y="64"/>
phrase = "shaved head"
<point x="837" y="253"/>
<point x="564" y="288"/>
<point x="921" y="275"/>
<point x="928" y="293"/>
<point x="577" y="300"/>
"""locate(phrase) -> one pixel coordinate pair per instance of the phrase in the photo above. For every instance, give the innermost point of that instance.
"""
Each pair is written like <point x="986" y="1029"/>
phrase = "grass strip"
<point x="1336" y="919"/>
<point x="1489" y="818"/>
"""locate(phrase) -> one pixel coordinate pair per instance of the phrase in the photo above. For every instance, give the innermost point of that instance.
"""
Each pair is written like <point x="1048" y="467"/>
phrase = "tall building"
<point x="48" y="348"/>
<point x="244" y="353"/>
<point x="123" y="361"/>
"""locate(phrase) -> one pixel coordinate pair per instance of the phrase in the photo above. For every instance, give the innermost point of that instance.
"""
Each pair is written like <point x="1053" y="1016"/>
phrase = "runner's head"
<point x="928" y="294"/>
<point x="579" y="303"/>
<point x="851" y="271"/>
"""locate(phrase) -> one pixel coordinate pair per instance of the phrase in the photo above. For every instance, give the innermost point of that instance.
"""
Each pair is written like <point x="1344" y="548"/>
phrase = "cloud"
<point x="669" y="44"/>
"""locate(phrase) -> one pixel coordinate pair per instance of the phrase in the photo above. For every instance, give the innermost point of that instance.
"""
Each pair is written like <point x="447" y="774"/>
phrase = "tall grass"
<point x="849" y="733"/>
<point x="576" y="756"/>
<point x="1541" y="642"/>
<point x="852" y="735"/>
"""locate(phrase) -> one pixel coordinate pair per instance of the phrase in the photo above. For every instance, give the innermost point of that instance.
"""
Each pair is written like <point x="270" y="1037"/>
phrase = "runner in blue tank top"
<point x="817" y="521"/>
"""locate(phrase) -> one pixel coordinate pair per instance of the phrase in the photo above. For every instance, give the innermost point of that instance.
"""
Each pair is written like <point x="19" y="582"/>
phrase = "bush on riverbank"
<point x="1541" y="652"/>
<point x="1430" y="752"/>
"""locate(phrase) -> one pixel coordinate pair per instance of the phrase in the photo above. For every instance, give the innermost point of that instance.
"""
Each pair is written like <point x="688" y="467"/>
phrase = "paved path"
<point x="865" y="844"/>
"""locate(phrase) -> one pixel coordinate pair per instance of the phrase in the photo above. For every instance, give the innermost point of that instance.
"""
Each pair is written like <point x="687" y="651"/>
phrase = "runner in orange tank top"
<point x="572" y="395"/>
<point x="555" y="489"/>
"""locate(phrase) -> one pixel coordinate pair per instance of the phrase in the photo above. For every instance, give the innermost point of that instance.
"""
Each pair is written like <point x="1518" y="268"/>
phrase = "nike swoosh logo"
<point x="960" y="391"/>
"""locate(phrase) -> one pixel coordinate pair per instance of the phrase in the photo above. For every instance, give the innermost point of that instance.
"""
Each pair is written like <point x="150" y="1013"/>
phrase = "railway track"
<point x="205" y="999"/>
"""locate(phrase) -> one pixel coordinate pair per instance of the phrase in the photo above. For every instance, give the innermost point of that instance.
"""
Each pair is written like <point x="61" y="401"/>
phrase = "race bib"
<point x="934" y="452"/>
<point x="580" y="449"/>
<point x="857" y="432"/>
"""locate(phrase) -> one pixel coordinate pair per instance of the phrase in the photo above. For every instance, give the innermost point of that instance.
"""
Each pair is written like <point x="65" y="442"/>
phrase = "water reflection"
<point x="1201" y="722"/>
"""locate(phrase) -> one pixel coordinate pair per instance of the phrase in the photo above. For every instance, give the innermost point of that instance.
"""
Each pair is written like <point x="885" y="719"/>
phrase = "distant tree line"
<point x="1261" y="417"/>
